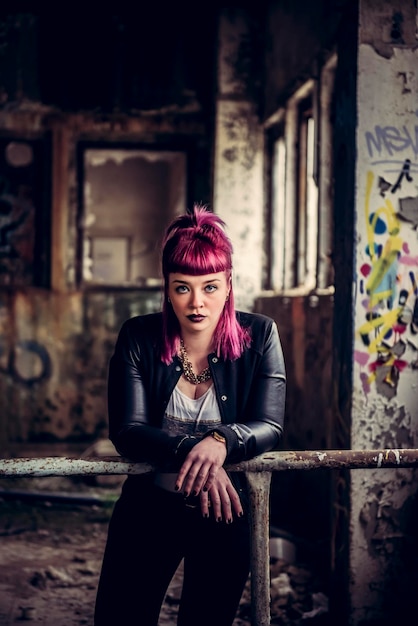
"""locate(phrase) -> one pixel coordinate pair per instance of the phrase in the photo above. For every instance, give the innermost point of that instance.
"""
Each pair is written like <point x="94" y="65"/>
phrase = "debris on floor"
<point x="50" y="559"/>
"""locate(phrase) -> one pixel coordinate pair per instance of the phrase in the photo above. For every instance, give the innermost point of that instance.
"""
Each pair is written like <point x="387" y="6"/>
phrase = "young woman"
<point x="191" y="389"/>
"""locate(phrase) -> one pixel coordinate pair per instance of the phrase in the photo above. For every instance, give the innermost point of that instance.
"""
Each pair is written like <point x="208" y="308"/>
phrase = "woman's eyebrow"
<point x="185" y="282"/>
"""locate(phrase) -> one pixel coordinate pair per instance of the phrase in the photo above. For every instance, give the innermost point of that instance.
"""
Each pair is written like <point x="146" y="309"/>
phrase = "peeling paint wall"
<point x="238" y="166"/>
<point x="54" y="354"/>
<point x="383" y="549"/>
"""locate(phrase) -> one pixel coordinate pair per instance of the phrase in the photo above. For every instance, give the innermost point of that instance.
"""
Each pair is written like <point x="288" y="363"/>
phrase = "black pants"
<point x="151" y="530"/>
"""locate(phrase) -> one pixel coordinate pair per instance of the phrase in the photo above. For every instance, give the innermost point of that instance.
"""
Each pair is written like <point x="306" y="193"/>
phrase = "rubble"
<point x="293" y="601"/>
<point x="49" y="570"/>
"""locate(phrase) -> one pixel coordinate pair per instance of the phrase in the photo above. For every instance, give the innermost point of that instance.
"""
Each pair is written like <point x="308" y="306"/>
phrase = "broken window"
<point x="299" y="155"/>
<point x="24" y="212"/>
<point x="128" y="198"/>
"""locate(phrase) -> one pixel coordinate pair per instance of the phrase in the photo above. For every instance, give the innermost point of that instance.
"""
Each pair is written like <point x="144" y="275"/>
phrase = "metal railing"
<point x="258" y="471"/>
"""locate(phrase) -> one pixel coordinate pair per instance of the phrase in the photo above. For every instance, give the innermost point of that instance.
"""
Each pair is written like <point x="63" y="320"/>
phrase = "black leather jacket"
<point x="250" y="392"/>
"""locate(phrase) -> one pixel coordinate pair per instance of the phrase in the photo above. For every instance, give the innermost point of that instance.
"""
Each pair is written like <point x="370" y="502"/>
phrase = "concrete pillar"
<point x="238" y="162"/>
<point x="383" y="518"/>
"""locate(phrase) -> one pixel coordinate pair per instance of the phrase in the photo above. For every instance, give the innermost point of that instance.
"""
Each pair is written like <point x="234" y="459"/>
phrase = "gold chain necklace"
<point x="188" y="372"/>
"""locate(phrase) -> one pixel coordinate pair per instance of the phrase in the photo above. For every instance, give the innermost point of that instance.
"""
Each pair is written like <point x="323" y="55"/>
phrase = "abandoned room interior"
<point x="297" y="123"/>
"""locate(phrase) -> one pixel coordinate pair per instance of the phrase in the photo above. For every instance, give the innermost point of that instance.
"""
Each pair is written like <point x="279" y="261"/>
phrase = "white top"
<point x="188" y="416"/>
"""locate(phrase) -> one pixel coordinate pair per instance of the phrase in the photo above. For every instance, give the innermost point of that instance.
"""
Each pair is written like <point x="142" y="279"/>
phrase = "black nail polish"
<point x="219" y="519"/>
<point x="195" y="493"/>
<point x="176" y="488"/>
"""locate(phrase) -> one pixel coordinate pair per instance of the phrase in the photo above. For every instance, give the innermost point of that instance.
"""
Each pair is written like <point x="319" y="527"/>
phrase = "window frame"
<point x="299" y="226"/>
<point x="181" y="146"/>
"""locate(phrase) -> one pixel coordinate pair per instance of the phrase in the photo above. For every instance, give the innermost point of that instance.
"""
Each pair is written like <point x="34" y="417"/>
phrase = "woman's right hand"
<point x="222" y="499"/>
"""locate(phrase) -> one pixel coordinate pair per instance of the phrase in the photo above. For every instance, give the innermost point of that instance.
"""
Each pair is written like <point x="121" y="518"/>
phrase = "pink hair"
<point x="196" y="244"/>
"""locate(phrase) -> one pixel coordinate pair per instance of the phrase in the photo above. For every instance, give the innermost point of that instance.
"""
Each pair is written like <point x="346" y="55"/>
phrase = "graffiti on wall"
<point x="27" y="362"/>
<point x="388" y="276"/>
<point x="17" y="213"/>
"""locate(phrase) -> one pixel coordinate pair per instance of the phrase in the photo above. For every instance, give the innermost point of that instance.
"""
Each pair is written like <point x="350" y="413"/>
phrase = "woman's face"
<point x="198" y="301"/>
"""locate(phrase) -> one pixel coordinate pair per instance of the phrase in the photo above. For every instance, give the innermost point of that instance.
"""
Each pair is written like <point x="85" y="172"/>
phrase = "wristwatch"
<point x="217" y="436"/>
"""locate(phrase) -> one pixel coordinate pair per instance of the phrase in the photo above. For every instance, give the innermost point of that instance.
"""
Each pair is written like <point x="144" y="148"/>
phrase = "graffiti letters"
<point x="391" y="140"/>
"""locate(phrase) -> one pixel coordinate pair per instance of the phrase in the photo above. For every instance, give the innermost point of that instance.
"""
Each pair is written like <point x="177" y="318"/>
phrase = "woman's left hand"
<point x="222" y="498"/>
<point x="201" y="466"/>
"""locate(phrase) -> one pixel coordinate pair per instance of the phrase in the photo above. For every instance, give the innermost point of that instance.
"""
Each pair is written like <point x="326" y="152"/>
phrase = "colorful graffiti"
<point x="388" y="284"/>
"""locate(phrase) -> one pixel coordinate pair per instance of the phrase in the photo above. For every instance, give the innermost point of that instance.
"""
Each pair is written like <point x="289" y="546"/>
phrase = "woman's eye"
<point x="181" y="289"/>
<point x="211" y="288"/>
